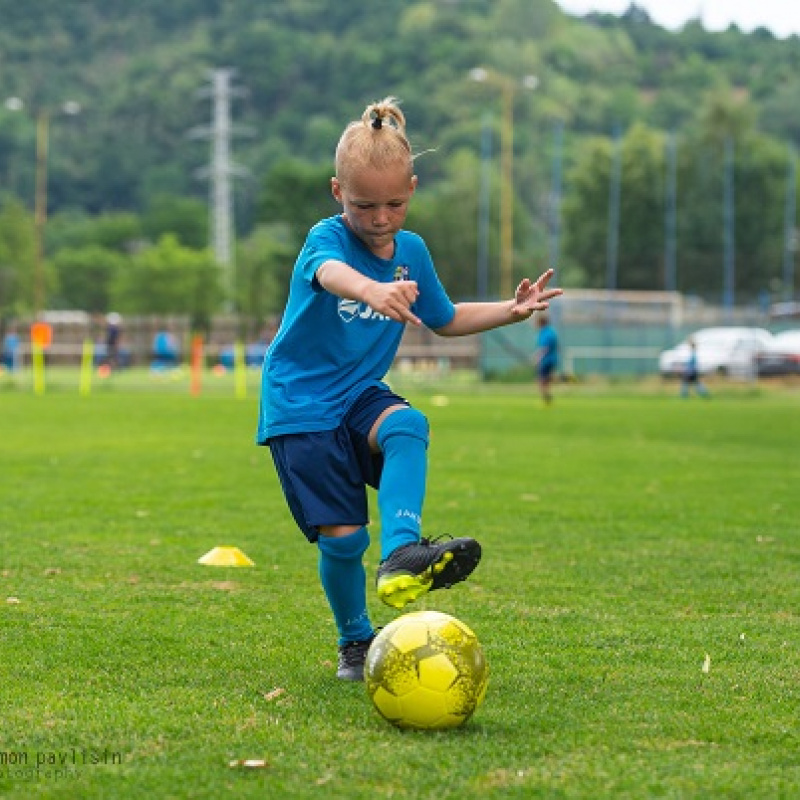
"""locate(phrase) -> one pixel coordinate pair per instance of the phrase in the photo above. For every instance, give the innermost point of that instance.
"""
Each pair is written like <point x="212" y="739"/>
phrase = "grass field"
<point x="637" y="602"/>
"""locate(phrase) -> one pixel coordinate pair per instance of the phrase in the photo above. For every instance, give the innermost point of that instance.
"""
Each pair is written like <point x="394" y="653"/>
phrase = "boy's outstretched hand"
<point x="533" y="295"/>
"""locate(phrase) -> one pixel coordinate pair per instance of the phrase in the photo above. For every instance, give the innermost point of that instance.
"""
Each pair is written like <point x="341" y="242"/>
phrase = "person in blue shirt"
<point x="332" y="425"/>
<point x="10" y="358"/>
<point x="691" y="374"/>
<point x="165" y="350"/>
<point x="546" y="356"/>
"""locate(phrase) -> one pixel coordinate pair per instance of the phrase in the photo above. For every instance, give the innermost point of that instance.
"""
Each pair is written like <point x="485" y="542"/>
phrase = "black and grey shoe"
<point x="352" y="657"/>
<point x="415" y="569"/>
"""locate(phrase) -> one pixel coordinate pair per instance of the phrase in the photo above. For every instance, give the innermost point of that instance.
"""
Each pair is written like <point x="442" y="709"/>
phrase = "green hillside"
<point x="306" y="67"/>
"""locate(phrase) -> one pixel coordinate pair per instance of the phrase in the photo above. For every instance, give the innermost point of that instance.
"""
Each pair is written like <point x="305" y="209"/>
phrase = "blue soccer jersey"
<point x="329" y="350"/>
<point x="547" y="342"/>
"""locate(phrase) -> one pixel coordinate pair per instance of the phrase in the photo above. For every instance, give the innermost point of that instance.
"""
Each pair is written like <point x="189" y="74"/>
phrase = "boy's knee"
<point x="404" y="422"/>
<point x="345" y="548"/>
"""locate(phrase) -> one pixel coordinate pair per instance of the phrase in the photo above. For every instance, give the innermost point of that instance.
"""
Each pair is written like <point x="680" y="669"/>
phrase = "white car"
<point x="722" y="351"/>
<point x="782" y="357"/>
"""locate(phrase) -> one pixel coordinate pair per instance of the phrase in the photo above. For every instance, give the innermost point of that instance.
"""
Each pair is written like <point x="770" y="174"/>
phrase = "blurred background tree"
<point x="122" y="174"/>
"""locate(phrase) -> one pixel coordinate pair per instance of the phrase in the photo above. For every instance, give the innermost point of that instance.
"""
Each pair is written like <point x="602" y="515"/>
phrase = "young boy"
<point x="691" y="374"/>
<point x="546" y="357"/>
<point x="332" y="425"/>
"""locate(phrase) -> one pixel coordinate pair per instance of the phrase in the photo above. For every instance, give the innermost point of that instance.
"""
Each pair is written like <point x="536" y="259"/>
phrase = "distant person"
<point x="113" y="337"/>
<point x="546" y="357"/>
<point x="332" y="425"/>
<point x="691" y="374"/>
<point x="165" y="350"/>
<point x="11" y="349"/>
<point x="257" y="351"/>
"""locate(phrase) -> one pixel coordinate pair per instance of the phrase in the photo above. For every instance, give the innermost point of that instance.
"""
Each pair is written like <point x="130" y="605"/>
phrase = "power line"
<point x="220" y="172"/>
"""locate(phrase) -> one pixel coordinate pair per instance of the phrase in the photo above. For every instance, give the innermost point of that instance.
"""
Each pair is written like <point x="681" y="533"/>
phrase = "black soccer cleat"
<point x="352" y="658"/>
<point x="415" y="569"/>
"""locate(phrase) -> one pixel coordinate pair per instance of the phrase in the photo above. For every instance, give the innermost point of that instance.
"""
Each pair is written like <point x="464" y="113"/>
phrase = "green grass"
<point x="627" y="534"/>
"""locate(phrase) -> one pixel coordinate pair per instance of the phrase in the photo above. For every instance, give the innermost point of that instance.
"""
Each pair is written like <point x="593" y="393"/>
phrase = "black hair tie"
<point x="377" y="123"/>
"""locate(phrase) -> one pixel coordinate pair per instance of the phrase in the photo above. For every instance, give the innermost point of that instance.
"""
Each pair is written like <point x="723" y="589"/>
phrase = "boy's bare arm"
<point x="476" y="317"/>
<point x="391" y="299"/>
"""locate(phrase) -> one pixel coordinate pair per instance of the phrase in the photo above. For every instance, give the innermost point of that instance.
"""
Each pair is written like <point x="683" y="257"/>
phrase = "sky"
<point x="782" y="17"/>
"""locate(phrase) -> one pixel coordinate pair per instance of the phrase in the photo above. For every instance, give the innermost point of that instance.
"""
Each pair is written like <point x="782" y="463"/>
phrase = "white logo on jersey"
<point x="350" y="309"/>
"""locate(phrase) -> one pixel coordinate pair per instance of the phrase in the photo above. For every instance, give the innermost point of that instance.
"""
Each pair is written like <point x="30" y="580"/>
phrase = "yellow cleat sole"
<point x="400" y="589"/>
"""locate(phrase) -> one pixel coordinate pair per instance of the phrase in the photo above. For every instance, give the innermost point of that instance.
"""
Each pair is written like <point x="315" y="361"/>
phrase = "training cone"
<point x="225" y="557"/>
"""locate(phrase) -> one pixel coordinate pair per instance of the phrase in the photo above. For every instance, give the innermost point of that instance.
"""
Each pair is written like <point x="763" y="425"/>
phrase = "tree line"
<point x="688" y="124"/>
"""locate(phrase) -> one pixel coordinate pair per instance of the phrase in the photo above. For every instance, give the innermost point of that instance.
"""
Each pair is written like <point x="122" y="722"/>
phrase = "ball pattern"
<point x="426" y="670"/>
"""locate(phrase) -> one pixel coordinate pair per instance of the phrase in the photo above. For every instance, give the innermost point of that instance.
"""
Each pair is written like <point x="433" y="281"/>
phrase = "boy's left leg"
<point x="411" y="566"/>
<point x="403" y="439"/>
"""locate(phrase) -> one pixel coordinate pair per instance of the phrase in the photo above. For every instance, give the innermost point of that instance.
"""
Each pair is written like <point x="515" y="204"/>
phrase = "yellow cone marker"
<point x="225" y="557"/>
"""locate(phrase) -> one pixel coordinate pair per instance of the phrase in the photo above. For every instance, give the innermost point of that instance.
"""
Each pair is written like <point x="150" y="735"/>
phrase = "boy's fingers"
<point x="404" y="314"/>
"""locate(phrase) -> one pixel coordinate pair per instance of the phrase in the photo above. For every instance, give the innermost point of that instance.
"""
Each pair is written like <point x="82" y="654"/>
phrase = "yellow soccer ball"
<point x="427" y="671"/>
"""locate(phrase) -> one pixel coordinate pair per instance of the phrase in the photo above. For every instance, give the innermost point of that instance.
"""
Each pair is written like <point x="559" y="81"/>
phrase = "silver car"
<point x="722" y="351"/>
<point x="782" y="357"/>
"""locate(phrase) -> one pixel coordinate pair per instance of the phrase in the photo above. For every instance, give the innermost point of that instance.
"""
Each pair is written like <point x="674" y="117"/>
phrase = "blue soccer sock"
<point x="403" y="438"/>
<point x="343" y="578"/>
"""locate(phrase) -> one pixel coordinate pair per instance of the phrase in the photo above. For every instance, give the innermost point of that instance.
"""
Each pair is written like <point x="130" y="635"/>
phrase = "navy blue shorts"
<point x="546" y="369"/>
<point x="324" y="475"/>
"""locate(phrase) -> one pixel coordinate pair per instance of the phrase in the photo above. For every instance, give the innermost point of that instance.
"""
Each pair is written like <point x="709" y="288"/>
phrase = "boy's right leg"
<point x="317" y="489"/>
<point x="343" y="578"/>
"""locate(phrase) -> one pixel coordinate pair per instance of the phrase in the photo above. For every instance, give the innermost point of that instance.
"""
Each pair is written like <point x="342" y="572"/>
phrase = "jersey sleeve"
<point x="433" y="306"/>
<point x="323" y="244"/>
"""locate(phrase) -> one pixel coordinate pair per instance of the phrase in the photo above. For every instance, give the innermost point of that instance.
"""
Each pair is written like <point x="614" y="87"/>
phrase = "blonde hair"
<point x="378" y="140"/>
